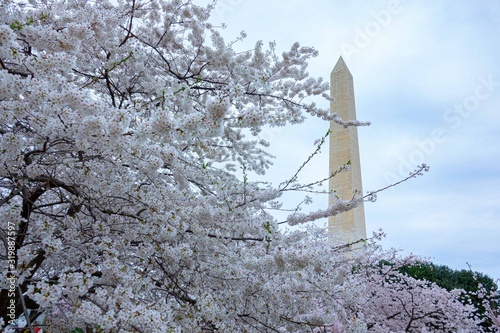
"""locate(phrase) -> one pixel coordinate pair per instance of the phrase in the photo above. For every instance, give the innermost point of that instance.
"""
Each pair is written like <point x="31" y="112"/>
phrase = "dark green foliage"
<point x="448" y="278"/>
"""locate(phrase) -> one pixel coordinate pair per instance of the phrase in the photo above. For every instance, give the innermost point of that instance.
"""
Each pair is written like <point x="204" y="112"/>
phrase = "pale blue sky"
<point x="427" y="76"/>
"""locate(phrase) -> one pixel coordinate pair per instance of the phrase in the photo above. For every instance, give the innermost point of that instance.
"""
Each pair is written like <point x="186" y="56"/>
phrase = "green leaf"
<point x="16" y="25"/>
<point x="268" y="226"/>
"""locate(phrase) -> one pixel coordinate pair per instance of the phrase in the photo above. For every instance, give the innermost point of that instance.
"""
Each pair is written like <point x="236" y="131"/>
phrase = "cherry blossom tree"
<point x="128" y="133"/>
<point x="399" y="303"/>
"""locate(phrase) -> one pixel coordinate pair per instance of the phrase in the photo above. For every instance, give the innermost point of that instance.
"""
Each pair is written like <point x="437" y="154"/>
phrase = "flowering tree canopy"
<point x="124" y="128"/>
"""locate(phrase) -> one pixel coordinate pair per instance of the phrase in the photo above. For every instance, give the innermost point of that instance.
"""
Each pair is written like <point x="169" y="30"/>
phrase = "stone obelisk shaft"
<point x="347" y="227"/>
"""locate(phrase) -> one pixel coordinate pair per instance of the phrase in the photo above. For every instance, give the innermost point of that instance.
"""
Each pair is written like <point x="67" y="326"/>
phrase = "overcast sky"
<point x="427" y="75"/>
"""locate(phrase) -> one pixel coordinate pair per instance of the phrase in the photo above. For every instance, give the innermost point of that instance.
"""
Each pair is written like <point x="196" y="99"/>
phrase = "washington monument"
<point x="347" y="227"/>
